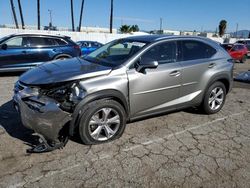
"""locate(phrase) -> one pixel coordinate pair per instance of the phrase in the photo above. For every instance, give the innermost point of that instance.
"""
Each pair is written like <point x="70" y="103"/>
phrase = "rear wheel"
<point x="214" y="98"/>
<point x="102" y="121"/>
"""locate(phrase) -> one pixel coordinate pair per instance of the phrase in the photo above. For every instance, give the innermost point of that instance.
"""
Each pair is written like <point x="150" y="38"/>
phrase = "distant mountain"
<point x="241" y="34"/>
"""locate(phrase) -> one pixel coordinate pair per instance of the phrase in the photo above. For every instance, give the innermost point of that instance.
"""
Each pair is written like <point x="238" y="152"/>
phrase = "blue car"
<point x="88" y="46"/>
<point x="20" y="52"/>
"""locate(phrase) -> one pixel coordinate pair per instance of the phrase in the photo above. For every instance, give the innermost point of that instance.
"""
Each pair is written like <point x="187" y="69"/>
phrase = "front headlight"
<point x="29" y="91"/>
<point x="70" y="92"/>
<point x="77" y="93"/>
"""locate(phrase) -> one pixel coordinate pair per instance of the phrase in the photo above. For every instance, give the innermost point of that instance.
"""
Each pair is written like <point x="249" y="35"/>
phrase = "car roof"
<point x="39" y="34"/>
<point x="154" y="38"/>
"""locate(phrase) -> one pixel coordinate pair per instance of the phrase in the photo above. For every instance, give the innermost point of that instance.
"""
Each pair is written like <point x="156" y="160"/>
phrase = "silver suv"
<point x="124" y="80"/>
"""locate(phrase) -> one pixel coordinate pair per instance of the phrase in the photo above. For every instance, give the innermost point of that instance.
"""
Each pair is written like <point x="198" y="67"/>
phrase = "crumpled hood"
<point x="62" y="71"/>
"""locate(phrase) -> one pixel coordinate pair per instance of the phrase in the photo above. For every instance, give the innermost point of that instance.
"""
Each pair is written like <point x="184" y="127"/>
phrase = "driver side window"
<point x="16" y="42"/>
<point x="163" y="53"/>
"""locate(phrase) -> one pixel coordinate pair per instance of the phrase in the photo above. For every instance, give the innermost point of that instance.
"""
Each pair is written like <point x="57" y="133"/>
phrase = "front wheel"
<point x="214" y="98"/>
<point x="102" y="121"/>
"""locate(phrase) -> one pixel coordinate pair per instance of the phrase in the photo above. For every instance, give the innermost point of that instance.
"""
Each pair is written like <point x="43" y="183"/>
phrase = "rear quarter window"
<point x="192" y="50"/>
<point x="61" y="42"/>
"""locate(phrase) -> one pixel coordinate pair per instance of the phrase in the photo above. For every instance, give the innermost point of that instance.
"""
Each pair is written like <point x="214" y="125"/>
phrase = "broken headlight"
<point x="67" y="95"/>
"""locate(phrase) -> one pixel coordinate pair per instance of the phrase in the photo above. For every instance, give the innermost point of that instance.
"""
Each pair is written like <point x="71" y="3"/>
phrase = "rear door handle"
<point x="211" y="65"/>
<point x="175" y="73"/>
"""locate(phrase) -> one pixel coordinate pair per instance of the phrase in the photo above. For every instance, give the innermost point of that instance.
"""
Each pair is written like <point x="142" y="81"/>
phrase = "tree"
<point x="14" y="13"/>
<point x="222" y="27"/>
<point x="38" y="15"/>
<point x="80" y="22"/>
<point x="134" y="28"/>
<point x="72" y="15"/>
<point x="125" y="29"/>
<point x="21" y="13"/>
<point x="111" y="18"/>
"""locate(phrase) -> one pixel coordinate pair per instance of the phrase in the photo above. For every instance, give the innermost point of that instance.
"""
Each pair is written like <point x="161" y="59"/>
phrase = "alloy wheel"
<point x="104" y="124"/>
<point x="216" y="98"/>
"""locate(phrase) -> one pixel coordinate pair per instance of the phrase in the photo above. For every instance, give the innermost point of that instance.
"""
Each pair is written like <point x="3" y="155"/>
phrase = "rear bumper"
<point x="41" y="115"/>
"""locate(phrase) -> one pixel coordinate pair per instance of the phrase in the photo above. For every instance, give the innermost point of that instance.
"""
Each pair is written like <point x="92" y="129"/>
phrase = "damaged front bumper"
<point x="41" y="114"/>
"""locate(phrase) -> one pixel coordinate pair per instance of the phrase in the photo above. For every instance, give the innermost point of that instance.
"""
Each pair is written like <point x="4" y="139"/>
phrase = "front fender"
<point x="114" y="94"/>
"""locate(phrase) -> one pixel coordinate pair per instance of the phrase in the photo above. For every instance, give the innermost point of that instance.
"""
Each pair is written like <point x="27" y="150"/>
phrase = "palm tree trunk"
<point x="111" y="18"/>
<point x="38" y="15"/>
<point x="80" y="22"/>
<point x="21" y="13"/>
<point x="14" y="13"/>
<point x="72" y="15"/>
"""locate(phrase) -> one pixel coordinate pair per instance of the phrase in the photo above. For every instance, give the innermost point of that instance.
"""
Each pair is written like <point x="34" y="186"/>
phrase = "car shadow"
<point x="11" y="122"/>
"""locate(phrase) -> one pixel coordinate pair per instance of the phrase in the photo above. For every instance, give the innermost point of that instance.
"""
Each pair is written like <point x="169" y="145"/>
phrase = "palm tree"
<point x="134" y="28"/>
<point x="72" y="15"/>
<point x="38" y="14"/>
<point x="111" y="18"/>
<point x="21" y="13"/>
<point x="14" y="13"/>
<point x="125" y="29"/>
<point x="222" y="27"/>
<point x="80" y="22"/>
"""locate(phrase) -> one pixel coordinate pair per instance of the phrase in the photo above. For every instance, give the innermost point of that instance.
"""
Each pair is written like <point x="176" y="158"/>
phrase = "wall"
<point x="76" y="36"/>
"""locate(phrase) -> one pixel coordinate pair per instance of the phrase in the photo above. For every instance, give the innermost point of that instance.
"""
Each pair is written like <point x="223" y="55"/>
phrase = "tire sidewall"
<point x="91" y="109"/>
<point x="206" y="107"/>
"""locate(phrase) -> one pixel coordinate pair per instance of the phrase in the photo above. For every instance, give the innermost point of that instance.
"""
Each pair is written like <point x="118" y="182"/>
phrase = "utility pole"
<point x="21" y="13"/>
<point x="161" y="26"/>
<point x="111" y="17"/>
<point x="50" y="16"/>
<point x="14" y="13"/>
<point x="72" y="15"/>
<point x="236" y="33"/>
<point x="38" y="15"/>
<point x="80" y="22"/>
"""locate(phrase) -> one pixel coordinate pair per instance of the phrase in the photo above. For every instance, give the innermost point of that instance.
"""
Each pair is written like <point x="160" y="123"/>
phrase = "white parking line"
<point x="105" y="156"/>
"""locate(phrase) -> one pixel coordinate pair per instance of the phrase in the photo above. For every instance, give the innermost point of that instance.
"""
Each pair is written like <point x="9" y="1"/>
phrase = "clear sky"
<point x="176" y="14"/>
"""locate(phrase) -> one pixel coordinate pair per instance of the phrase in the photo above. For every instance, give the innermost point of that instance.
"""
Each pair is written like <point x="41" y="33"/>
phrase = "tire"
<point x="211" y="103"/>
<point x="96" y="124"/>
<point x="244" y="59"/>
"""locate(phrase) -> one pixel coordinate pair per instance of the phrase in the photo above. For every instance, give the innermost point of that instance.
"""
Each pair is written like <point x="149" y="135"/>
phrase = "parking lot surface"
<point x="180" y="149"/>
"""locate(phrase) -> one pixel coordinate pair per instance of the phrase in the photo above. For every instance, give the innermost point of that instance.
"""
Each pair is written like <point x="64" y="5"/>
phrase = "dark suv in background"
<point x="20" y="52"/>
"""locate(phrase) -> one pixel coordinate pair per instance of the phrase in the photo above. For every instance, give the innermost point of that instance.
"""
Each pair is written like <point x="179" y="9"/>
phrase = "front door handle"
<point x="211" y="65"/>
<point x="175" y="73"/>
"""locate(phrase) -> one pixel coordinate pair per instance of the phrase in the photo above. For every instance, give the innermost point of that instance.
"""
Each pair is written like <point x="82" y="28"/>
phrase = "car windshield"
<point x="116" y="52"/>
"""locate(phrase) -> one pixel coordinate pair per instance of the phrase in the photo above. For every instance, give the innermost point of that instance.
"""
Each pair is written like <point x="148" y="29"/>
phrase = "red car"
<point x="237" y="51"/>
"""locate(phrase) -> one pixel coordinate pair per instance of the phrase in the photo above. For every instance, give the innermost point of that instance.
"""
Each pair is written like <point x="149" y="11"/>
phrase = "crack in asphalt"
<point x="141" y="145"/>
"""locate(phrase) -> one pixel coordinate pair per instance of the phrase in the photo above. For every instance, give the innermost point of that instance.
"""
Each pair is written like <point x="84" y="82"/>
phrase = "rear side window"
<point x="61" y="42"/>
<point x="35" y="41"/>
<point x="163" y="53"/>
<point x="192" y="50"/>
<point x="50" y="42"/>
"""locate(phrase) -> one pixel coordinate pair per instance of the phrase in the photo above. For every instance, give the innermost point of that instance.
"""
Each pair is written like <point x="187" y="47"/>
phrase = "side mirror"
<point x="4" y="46"/>
<point x="146" y="63"/>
